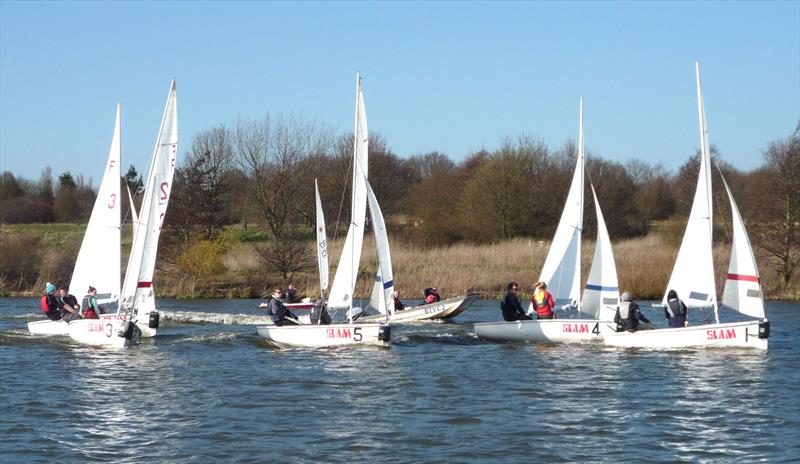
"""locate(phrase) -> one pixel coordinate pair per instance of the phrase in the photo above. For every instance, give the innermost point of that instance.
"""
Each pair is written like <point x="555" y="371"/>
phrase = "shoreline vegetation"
<point x="230" y="267"/>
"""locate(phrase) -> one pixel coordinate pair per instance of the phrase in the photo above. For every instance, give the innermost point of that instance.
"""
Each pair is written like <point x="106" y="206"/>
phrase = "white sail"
<point x="693" y="275"/>
<point x="601" y="295"/>
<point x="377" y="299"/>
<point x="98" y="262"/>
<point x="384" y="279"/>
<point x="562" y="267"/>
<point x="138" y="287"/>
<point x="344" y="281"/>
<point x="322" y="244"/>
<point x="742" y="285"/>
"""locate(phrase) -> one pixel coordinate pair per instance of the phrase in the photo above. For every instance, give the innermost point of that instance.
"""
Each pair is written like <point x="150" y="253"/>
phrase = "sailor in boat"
<point x="676" y="311"/>
<point x="67" y="304"/>
<point x="291" y="295"/>
<point x="89" y="307"/>
<point x="398" y="305"/>
<point x="432" y="295"/>
<point x="49" y="303"/>
<point x="319" y="313"/>
<point x="628" y="314"/>
<point x="543" y="302"/>
<point x="279" y="314"/>
<point x="511" y="307"/>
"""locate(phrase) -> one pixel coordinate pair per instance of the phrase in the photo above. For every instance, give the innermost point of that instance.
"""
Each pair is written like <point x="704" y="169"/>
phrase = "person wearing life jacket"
<point x="432" y="295"/>
<point x="398" y="305"/>
<point x="49" y="304"/>
<point x="628" y="314"/>
<point x="67" y="304"/>
<point x="279" y="314"/>
<point x="511" y="307"/>
<point x="676" y="311"/>
<point x="319" y="314"/>
<point x="543" y="302"/>
<point x="89" y="308"/>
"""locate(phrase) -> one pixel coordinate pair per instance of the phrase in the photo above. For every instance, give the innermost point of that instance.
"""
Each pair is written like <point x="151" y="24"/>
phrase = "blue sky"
<point x="448" y="76"/>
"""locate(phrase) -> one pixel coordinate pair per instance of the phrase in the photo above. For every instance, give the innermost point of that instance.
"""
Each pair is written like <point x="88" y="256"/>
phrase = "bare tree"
<point x="200" y="198"/>
<point x="778" y="224"/>
<point x="269" y="153"/>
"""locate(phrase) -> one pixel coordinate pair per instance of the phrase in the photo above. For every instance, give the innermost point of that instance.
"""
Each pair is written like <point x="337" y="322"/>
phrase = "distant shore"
<point x="644" y="265"/>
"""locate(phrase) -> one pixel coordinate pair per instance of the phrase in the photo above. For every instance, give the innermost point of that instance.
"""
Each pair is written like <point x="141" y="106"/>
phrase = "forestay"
<point x="742" y="285"/>
<point x="693" y="275"/>
<point x="344" y="280"/>
<point x="98" y="262"/>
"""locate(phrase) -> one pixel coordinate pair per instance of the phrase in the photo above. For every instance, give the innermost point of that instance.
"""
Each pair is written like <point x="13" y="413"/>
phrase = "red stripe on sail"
<point x="748" y="278"/>
<point x="144" y="285"/>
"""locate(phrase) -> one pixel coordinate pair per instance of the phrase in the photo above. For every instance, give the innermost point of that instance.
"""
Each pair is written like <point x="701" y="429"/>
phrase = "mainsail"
<point x="561" y="270"/>
<point x="137" y="293"/>
<point x="344" y="280"/>
<point x="693" y="275"/>
<point x="322" y="244"/>
<point x="98" y="262"/>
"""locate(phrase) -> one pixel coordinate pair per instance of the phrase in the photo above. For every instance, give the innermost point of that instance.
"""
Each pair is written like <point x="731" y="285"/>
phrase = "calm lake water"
<point x="207" y="389"/>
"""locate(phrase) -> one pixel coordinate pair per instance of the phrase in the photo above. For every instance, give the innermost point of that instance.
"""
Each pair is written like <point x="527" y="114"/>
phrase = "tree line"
<point x="259" y="174"/>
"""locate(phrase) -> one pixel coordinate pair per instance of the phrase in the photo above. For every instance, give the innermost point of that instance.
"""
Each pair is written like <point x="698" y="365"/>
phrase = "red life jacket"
<point x="45" y="308"/>
<point x="90" y="314"/>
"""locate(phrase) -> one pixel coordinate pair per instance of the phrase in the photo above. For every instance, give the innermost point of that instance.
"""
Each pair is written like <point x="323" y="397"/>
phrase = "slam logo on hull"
<point x="721" y="334"/>
<point x="575" y="328"/>
<point x="338" y="333"/>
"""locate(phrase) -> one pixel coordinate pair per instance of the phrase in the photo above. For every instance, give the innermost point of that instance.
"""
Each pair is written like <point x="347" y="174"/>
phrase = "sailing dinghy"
<point x="561" y="273"/>
<point x="136" y="314"/>
<point x="98" y="262"/>
<point x="341" y="297"/>
<point x="693" y="275"/>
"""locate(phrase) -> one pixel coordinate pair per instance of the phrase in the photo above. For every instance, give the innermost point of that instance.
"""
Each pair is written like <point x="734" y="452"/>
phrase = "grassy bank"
<point x="35" y="253"/>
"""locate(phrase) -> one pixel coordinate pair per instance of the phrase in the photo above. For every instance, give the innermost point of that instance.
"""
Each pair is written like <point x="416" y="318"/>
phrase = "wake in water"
<point x="192" y="317"/>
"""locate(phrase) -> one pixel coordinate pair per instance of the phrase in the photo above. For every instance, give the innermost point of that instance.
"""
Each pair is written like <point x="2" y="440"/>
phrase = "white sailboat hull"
<point x="444" y="309"/>
<point x="48" y="327"/>
<point x="103" y="332"/>
<point x="734" y="334"/>
<point x="59" y="327"/>
<point x="545" y="330"/>
<point x="318" y="336"/>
